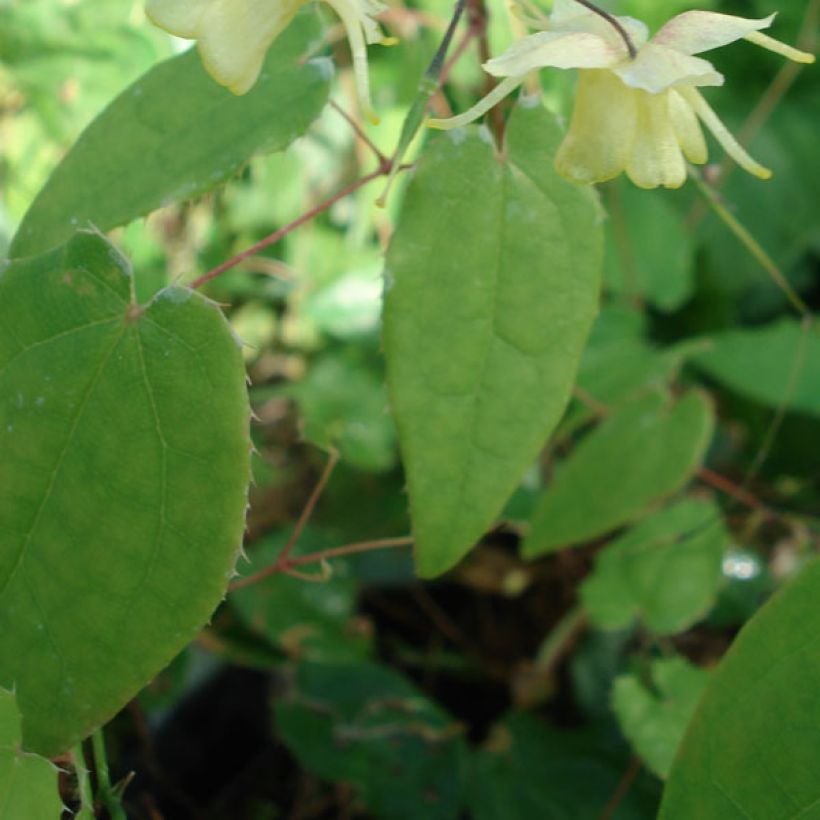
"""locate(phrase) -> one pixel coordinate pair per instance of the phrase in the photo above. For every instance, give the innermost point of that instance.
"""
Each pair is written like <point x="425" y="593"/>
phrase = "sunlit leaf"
<point x="175" y="134"/>
<point x="654" y="721"/>
<point x="751" y="751"/>
<point x="124" y="461"/>
<point x="639" y="455"/>
<point x="492" y="286"/>
<point x="28" y="783"/>
<point x="665" y="571"/>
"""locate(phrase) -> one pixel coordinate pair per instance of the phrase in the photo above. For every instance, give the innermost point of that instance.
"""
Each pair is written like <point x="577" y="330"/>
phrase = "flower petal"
<point x="566" y="10"/>
<point x="360" y="29"/>
<point x="722" y="133"/>
<point x="234" y="36"/>
<point x="506" y="86"/>
<point x="764" y="41"/>
<point x="555" y="50"/>
<point x="178" y="17"/>
<point x="602" y="129"/>
<point x="696" y="31"/>
<point x="657" y="68"/>
<point x="656" y="157"/>
<point x="687" y="129"/>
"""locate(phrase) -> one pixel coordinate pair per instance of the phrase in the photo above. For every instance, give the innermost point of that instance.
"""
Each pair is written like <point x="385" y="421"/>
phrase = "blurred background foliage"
<point x="552" y="688"/>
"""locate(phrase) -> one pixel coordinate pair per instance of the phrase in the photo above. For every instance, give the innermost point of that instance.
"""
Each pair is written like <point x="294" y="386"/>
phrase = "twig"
<point x="728" y="487"/>
<point x="622" y="788"/>
<point x="307" y="510"/>
<point x="360" y="132"/>
<point x="273" y="238"/>
<point x="286" y="567"/>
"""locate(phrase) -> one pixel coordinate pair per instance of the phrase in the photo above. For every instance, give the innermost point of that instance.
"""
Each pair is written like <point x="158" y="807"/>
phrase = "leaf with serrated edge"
<point x="752" y="750"/>
<point x="173" y="135"/>
<point x="124" y="464"/>
<point x="493" y="279"/>
<point x="641" y="454"/>
<point x="28" y="782"/>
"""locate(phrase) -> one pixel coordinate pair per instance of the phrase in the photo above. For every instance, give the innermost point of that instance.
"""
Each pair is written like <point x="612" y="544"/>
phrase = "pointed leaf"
<point x="665" y="571"/>
<point x="639" y="455"/>
<point x="28" y="783"/>
<point x="654" y="721"/>
<point x="172" y="135"/>
<point x="493" y="283"/>
<point x="124" y="462"/>
<point x="752" y="748"/>
<point x="772" y="364"/>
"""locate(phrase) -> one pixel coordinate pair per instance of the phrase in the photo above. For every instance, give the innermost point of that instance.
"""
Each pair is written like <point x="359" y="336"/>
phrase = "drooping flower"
<point x="640" y="114"/>
<point x="234" y="35"/>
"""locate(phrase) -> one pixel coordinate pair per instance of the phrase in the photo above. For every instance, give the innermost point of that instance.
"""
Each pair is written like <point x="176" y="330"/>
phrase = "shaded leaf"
<point x="308" y="620"/>
<point x="527" y="770"/>
<point x="760" y="363"/>
<point x="172" y="135"/>
<point x="124" y="462"/>
<point x="654" y="721"/>
<point x="639" y="455"/>
<point x="752" y="748"/>
<point x="649" y="251"/>
<point x="367" y="726"/>
<point x="665" y="571"/>
<point x="490" y="297"/>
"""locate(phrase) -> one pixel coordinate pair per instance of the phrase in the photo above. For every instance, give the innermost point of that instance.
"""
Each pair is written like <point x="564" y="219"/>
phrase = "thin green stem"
<point x="104" y="791"/>
<point x="86" y="811"/>
<point x="749" y="242"/>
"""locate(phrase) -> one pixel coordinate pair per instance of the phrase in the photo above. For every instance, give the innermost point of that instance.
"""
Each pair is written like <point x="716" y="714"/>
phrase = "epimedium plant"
<point x="124" y="414"/>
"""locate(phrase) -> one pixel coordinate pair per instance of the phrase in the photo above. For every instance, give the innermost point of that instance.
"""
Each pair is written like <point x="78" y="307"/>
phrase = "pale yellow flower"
<point x="640" y="115"/>
<point x="234" y="35"/>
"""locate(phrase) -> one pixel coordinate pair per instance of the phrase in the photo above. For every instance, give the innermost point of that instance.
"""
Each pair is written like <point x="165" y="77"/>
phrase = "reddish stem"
<point x="272" y="239"/>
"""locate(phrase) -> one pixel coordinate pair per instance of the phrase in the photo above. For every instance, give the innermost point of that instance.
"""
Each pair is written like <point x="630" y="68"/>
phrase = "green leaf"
<point x="343" y="404"/>
<point x="752" y="748"/>
<point x="493" y="278"/>
<point x="124" y="462"/>
<point x="760" y="363"/>
<point x="642" y="453"/>
<point x="618" y="360"/>
<point x="665" y="571"/>
<point x="312" y="621"/>
<point x="649" y="251"/>
<point x="172" y="135"/>
<point x="527" y="770"/>
<point x="654" y="721"/>
<point x="28" y="783"/>
<point x="366" y="725"/>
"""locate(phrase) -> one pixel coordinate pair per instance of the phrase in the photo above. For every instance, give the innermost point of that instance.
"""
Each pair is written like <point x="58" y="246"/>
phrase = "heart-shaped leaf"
<point x="124" y="463"/>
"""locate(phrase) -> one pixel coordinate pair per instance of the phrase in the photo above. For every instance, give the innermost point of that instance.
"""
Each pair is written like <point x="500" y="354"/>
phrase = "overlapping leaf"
<point x="639" y="455"/>
<point x="173" y="135"/>
<point x="751" y="751"/>
<point x="28" y="783"/>
<point x="774" y="364"/>
<point x="124" y="461"/>
<point x="665" y="571"/>
<point x="493" y="279"/>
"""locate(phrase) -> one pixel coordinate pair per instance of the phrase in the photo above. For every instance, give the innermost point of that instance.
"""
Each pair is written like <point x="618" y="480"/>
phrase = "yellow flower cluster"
<point x="640" y="113"/>
<point x="638" y="108"/>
